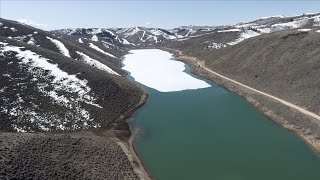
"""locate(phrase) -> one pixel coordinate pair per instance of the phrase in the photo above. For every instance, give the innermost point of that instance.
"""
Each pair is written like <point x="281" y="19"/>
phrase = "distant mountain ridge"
<point x="142" y="36"/>
<point x="134" y="36"/>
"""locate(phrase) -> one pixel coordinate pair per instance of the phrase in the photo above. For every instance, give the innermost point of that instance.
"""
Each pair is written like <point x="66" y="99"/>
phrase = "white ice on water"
<point x="156" y="69"/>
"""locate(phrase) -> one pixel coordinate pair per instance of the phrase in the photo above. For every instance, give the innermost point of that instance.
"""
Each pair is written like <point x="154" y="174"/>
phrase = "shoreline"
<point x="124" y="137"/>
<point x="309" y="138"/>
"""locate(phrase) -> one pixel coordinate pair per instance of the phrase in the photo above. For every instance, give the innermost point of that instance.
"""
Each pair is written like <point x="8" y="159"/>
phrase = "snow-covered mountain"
<point x="142" y="36"/>
<point x="135" y="36"/>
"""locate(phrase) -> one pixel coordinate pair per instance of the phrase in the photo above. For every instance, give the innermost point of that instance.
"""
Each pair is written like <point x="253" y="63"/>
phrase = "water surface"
<point x="212" y="133"/>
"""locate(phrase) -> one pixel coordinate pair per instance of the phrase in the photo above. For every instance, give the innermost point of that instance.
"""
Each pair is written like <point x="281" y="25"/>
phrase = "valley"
<point x="68" y="95"/>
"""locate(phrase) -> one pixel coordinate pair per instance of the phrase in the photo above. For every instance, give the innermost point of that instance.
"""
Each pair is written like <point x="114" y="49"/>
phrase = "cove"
<point x="211" y="133"/>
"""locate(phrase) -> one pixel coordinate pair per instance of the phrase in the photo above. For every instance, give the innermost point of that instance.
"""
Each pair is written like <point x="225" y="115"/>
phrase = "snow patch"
<point x="124" y="41"/>
<point x="156" y="69"/>
<point x="20" y="38"/>
<point x="94" y="38"/>
<point x="31" y="41"/>
<point x="230" y="30"/>
<point x="264" y="30"/>
<point x="60" y="46"/>
<point x="318" y="31"/>
<point x="155" y="39"/>
<point x="316" y="21"/>
<point x="190" y="31"/>
<point x="158" y="32"/>
<point x="110" y="32"/>
<point x="244" y="35"/>
<point x="131" y="31"/>
<point x="31" y="23"/>
<point x="182" y="39"/>
<point x="276" y="16"/>
<point x="96" y="63"/>
<point x="100" y="50"/>
<point x="304" y="30"/>
<point x="107" y="45"/>
<point x="245" y="25"/>
<point x="141" y="38"/>
<point x="80" y="40"/>
<point x="13" y="29"/>
<point x="289" y="25"/>
<point x="214" y="45"/>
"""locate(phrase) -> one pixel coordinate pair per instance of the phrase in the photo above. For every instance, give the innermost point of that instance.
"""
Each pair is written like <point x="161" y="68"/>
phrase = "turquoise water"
<point x="213" y="133"/>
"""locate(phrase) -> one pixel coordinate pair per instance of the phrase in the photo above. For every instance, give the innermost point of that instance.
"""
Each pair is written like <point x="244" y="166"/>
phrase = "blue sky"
<point x="167" y="14"/>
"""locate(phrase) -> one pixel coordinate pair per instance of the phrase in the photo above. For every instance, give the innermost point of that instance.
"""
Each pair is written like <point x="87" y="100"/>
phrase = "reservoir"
<point x="193" y="129"/>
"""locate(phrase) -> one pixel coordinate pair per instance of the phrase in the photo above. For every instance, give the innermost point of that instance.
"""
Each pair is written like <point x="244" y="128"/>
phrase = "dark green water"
<point x="215" y="134"/>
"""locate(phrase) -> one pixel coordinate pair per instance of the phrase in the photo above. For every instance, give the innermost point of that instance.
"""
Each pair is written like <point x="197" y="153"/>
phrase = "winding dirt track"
<point x="268" y="95"/>
<point x="201" y="64"/>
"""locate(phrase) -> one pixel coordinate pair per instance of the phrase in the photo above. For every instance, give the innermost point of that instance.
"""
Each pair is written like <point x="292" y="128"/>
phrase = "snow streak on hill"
<point x="48" y="81"/>
<point x="60" y="46"/>
<point x="100" y="50"/>
<point x="95" y="63"/>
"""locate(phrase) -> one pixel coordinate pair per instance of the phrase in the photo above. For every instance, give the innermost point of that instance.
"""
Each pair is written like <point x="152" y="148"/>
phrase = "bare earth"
<point x="128" y="149"/>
